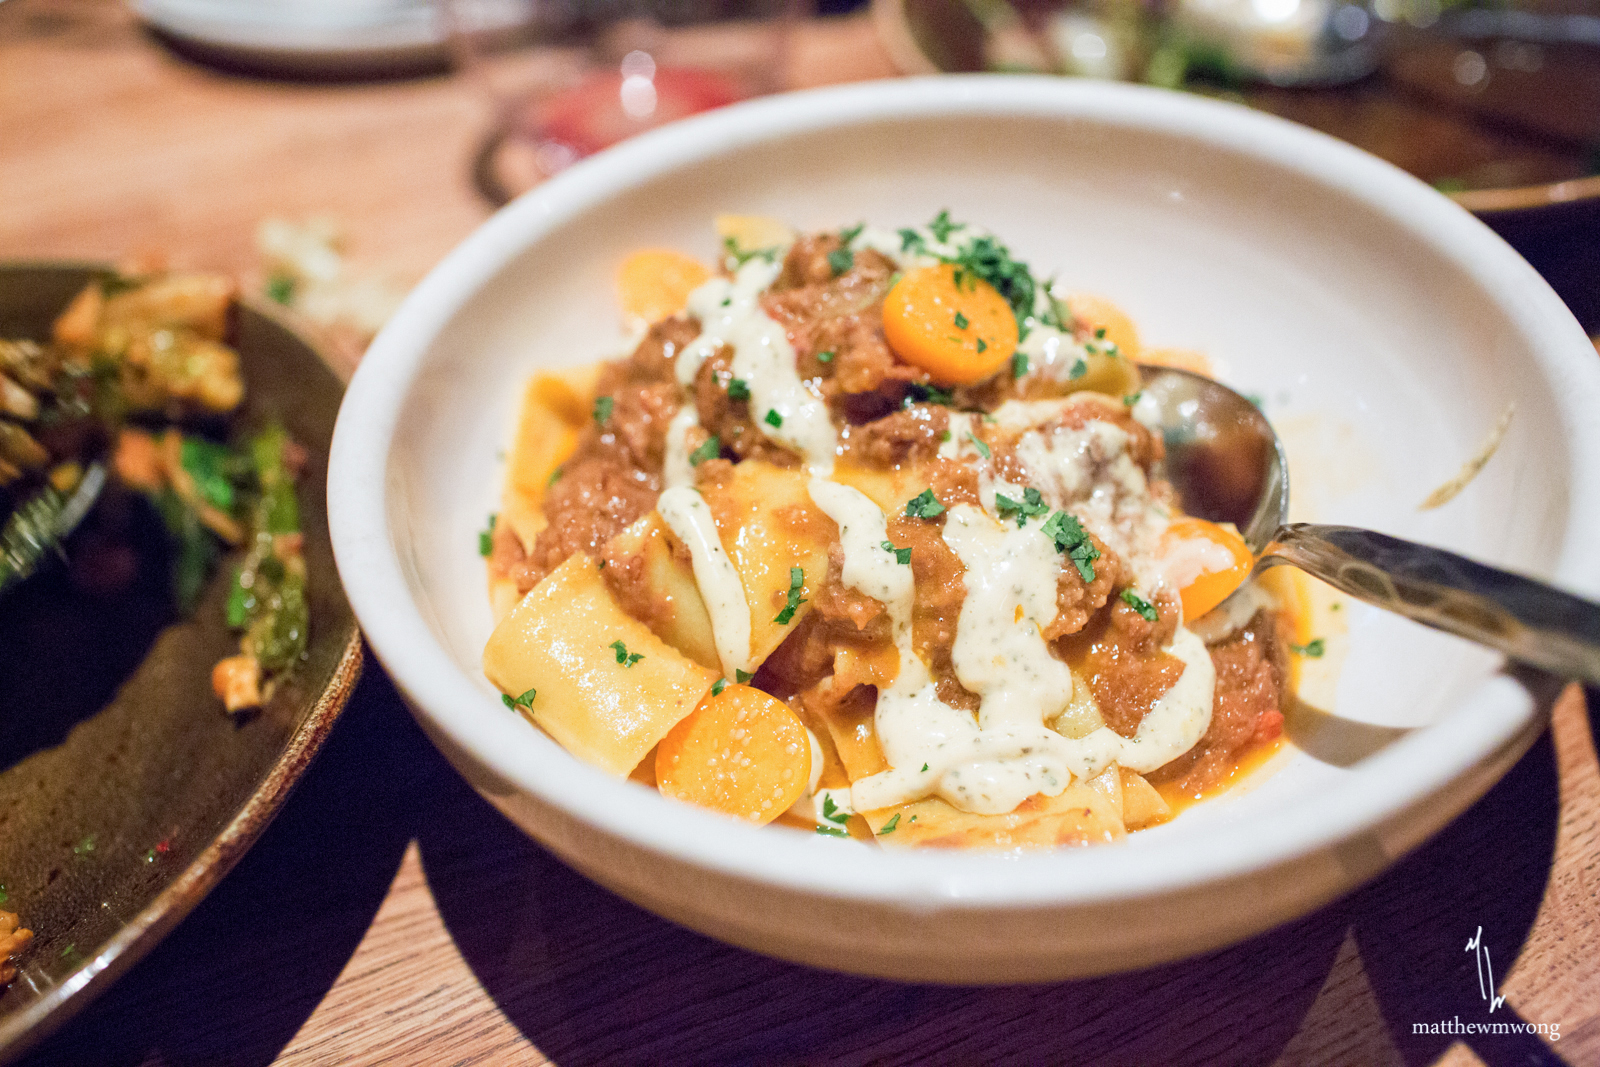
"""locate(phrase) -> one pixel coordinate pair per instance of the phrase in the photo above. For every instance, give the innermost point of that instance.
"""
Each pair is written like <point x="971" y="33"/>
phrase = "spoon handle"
<point x="1529" y="621"/>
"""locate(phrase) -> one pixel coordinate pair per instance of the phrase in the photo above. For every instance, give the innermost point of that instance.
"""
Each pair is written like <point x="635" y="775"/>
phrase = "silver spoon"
<point x="1227" y="465"/>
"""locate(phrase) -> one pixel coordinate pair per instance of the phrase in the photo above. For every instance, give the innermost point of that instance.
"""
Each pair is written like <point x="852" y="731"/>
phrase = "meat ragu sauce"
<point x="895" y="423"/>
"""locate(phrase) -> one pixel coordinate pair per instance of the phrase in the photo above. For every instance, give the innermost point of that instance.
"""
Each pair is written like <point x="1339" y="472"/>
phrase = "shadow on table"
<point x="235" y="981"/>
<point x="1359" y="973"/>
<point x="591" y="979"/>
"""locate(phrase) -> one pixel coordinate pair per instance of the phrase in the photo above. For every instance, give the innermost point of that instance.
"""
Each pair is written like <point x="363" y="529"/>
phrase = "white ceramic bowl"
<point x="1385" y="327"/>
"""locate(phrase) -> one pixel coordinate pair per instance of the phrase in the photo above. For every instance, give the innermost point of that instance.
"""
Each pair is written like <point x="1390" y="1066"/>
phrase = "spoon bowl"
<point x="1222" y="455"/>
<point x="1227" y="464"/>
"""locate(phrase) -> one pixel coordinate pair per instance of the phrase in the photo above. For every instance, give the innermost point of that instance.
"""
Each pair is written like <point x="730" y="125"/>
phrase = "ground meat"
<point x="1252" y="683"/>
<point x="837" y="601"/>
<point x="614" y="476"/>
<point x="1144" y="447"/>
<point x="625" y="574"/>
<point x="1077" y="601"/>
<point x="940" y="589"/>
<point x="807" y="262"/>
<point x="729" y="419"/>
<point x="1126" y="667"/>
<point x="840" y="318"/>
<point x="910" y="435"/>
<point x="508" y="559"/>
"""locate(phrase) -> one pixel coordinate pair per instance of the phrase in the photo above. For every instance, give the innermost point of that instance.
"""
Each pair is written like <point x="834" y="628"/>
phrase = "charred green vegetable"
<point x="137" y="369"/>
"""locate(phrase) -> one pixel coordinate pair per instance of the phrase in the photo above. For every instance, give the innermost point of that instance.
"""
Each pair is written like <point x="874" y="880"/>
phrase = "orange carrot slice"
<point x="951" y="323"/>
<point x="741" y="752"/>
<point x="1215" y="563"/>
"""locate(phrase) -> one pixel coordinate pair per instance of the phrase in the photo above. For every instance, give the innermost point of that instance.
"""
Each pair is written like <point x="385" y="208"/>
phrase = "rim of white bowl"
<point x="1420" y="764"/>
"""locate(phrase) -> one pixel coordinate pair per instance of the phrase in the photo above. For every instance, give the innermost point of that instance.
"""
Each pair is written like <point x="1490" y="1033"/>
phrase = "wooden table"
<point x="390" y="916"/>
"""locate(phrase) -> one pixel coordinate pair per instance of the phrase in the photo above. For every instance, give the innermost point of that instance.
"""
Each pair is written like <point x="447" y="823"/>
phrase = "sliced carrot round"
<point x="1208" y="563"/>
<point x="740" y="752"/>
<point x="949" y="322"/>
<point x="655" y="283"/>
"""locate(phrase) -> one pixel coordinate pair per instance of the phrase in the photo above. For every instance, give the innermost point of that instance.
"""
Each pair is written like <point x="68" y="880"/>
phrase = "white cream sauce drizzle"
<point x="730" y="314"/>
<point x="1052" y="353"/>
<point x="960" y="425"/>
<point x="991" y="763"/>
<point x="676" y="468"/>
<point x="869" y="568"/>
<point x="1090" y="472"/>
<point x="686" y="513"/>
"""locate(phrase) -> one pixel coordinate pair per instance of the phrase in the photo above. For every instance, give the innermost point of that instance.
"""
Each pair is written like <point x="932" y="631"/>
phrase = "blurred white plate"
<point x="329" y="37"/>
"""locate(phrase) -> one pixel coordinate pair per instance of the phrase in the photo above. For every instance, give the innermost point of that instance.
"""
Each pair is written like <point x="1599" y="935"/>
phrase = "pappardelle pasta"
<point x="866" y="537"/>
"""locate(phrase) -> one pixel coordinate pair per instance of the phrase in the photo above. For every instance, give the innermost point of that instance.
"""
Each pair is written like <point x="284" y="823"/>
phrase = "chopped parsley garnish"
<point x="486" y="536"/>
<point x="773" y="418"/>
<point x="603" y="408"/>
<point x="742" y="676"/>
<point x="1256" y="398"/>
<point x="1311" y="649"/>
<point x="984" y="257"/>
<point x="553" y="476"/>
<point x="825" y="357"/>
<point x="889" y="827"/>
<point x="983" y="346"/>
<point x="848" y="236"/>
<point x="961" y="321"/>
<point x="910" y="239"/>
<point x="1079" y="369"/>
<point x="1132" y="398"/>
<point x="833" y="812"/>
<point x="797" y="579"/>
<point x="927" y="393"/>
<point x="624" y="657"/>
<point x="839" y="260"/>
<point x="741" y="257"/>
<point x="1146" y="610"/>
<point x="718" y="686"/>
<point x="1031" y="506"/>
<point x="523" y="701"/>
<point x="710" y="449"/>
<point x="983" y="449"/>
<point x="4" y="896"/>
<point x="901" y="555"/>
<point x="1099" y="332"/>
<point x="924" y="767"/>
<point x="1019" y="364"/>
<point x="831" y="831"/>
<point x="280" y="288"/>
<point x="924" y="506"/>
<point x="1070" y="537"/>
<point x="941" y="227"/>
<point x="738" y="389"/>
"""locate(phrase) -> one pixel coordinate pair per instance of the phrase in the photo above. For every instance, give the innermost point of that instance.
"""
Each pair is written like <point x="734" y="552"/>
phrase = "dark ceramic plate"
<point x="125" y="791"/>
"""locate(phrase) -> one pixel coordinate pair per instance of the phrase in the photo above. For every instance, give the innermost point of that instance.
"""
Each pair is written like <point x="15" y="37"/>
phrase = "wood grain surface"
<point x="390" y="916"/>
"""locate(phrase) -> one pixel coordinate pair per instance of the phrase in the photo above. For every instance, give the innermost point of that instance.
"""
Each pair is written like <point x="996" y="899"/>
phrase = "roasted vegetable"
<point x="140" y="363"/>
